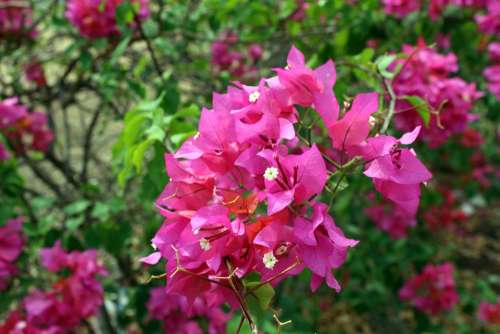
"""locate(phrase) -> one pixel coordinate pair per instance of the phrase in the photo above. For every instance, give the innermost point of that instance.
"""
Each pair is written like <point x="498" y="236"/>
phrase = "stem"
<point x="150" y="49"/>
<point x="392" y="105"/>
<point x="241" y="300"/>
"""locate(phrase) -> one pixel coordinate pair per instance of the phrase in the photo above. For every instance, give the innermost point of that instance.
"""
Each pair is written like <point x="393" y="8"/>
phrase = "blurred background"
<point x="94" y="93"/>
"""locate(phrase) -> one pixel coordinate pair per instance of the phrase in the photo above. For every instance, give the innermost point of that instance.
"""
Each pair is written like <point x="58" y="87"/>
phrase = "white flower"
<point x="205" y="244"/>
<point x="253" y="97"/>
<point x="269" y="260"/>
<point x="271" y="173"/>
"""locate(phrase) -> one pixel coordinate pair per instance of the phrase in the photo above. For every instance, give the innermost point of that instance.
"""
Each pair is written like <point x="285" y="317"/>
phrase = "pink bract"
<point x="94" y="20"/>
<point x="432" y="291"/>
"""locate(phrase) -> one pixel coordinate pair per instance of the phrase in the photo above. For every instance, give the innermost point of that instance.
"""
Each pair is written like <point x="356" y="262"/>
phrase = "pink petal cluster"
<point x="97" y="18"/>
<point x="489" y="23"/>
<point x="178" y="317"/>
<point x="243" y="192"/>
<point x="34" y="73"/>
<point x="226" y="57"/>
<point x="489" y="312"/>
<point x="16" y="20"/>
<point x="401" y="8"/>
<point x="300" y="12"/>
<point x="445" y="215"/>
<point x="391" y="218"/>
<point x="11" y="245"/>
<point x="4" y="154"/>
<point x="24" y="130"/>
<point x="432" y="291"/>
<point x="426" y="74"/>
<point x="72" y="299"/>
<point x="492" y="72"/>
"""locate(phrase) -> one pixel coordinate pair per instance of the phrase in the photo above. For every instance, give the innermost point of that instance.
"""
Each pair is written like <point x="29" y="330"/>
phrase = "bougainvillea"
<point x="445" y="215"/>
<point x="244" y="191"/>
<point x="94" y="18"/>
<point x="178" y="317"/>
<point x="489" y="312"/>
<point x="432" y="291"/>
<point x="34" y="73"/>
<point x="16" y="20"/>
<point x="391" y="218"/>
<point x="426" y="74"/>
<point x="72" y="299"/>
<point x="489" y="23"/>
<point x="226" y="57"/>
<point x="11" y="245"/>
<point x="24" y="130"/>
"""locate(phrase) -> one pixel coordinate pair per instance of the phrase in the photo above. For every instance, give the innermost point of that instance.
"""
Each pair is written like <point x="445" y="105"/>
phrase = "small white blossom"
<point x="271" y="173"/>
<point x="205" y="244"/>
<point x="269" y="260"/>
<point x="253" y="97"/>
<point x="196" y="136"/>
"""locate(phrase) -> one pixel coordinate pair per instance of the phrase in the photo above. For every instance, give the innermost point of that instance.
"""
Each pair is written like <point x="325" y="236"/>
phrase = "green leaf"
<point x="139" y="152"/>
<point x="73" y="223"/>
<point x="264" y="294"/>
<point x="383" y="63"/>
<point x="76" y="207"/>
<point x="421" y="106"/>
<point x="119" y="50"/>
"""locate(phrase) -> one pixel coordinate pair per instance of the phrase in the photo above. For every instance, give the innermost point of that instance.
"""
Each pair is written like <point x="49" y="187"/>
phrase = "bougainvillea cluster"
<point x="445" y="215"/>
<point x="179" y="317"/>
<point x="22" y="129"/>
<point x="16" y="20"/>
<point x="226" y="57"/>
<point x="489" y="312"/>
<point x="427" y="74"/>
<point x="73" y="298"/>
<point x="402" y="8"/>
<point x="492" y="72"/>
<point x="433" y="290"/>
<point x="34" y="73"/>
<point x="391" y="218"/>
<point x="11" y="246"/>
<point x="95" y="18"/>
<point x="244" y="192"/>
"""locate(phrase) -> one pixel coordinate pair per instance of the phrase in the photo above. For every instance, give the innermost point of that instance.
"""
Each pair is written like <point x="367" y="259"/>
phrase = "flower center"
<point x="205" y="244"/>
<point x="269" y="260"/>
<point x="253" y="97"/>
<point x="271" y="173"/>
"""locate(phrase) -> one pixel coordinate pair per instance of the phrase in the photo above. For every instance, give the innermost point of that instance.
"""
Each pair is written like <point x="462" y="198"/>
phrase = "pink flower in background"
<point x="489" y="23"/>
<point x="95" y="18"/>
<point x="489" y="312"/>
<point x="432" y="291"/>
<point x="4" y="154"/>
<point x="226" y="57"/>
<point x="401" y="8"/>
<point x="178" y="317"/>
<point x="255" y="51"/>
<point x="445" y="215"/>
<point x="24" y="130"/>
<point x="472" y="138"/>
<point x="426" y="74"/>
<point x="34" y="73"/>
<point x="16" y="20"/>
<point x="300" y="12"/>
<point x="391" y="219"/>
<point x="11" y="244"/>
<point x="492" y="72"/>
<point x="73" y="298"/>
